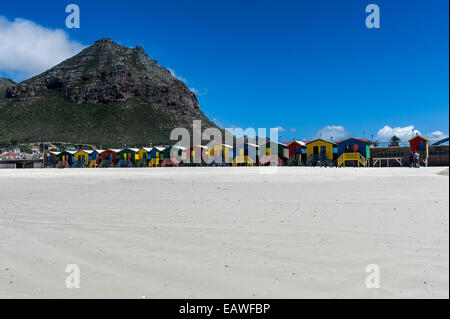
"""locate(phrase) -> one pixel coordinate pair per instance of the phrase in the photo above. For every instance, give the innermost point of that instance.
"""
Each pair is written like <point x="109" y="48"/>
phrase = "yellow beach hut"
<point x="144" y="152"/>
<point x="220" y="154"/>
<point x="82" y="158"/>
<point x="320" y="151"/>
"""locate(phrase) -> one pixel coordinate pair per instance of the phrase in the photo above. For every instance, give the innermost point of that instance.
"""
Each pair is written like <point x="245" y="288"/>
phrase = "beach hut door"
<point x="323" y="153"/>
<point x="315" y="153"/>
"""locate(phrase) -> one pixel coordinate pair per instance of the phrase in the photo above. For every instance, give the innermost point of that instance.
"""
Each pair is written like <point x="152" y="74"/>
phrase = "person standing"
<point x="411" y="159"/>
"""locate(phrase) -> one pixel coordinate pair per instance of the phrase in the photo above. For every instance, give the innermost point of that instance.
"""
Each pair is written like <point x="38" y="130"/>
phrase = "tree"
<point x="394" y="141"/>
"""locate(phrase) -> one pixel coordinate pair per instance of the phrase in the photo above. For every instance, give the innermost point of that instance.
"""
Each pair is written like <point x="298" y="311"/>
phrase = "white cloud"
<point x="436" y="136"/>
<point x="280" y="128"/>
<point x="292" y="130"/>
<point x="218" y="123"/>
<point x="27" y="49"/>
<point x="334" y="132"/>
<point x="200" y="92"/>
<point x="404" y="133"/>
<point x="185" y="81"/>
<point x="172" y="71"/>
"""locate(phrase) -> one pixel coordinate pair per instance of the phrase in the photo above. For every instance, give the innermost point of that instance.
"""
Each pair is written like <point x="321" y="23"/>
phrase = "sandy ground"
<point x="224" y="232"/>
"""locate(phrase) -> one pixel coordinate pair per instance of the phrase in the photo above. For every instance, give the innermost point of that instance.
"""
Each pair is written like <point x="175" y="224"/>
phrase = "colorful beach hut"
<point x="196" y="155"/>
<point x="246" y="154"/>
<point x="220" y="154"/>
<point x="144" y="153"/>
<point x="353" y="150"/>
<point x="297" y="153"/>
<point x="109" y="155"/>
<point x="155" y="155"/>
<point x="50" y="158"/>
<point x="273" y="153"/>
<point x="66" y="158"/>
<point x="320" y="152"/>
<point x="127" y="156"/>
<point x="173" y="156"/>
<point x="419" y="144"/>
<point x="85" y="158"/>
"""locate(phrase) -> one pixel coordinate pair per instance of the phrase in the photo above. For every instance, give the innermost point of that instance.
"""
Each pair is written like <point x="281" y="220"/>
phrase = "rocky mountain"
<point x="5" y="83"/>
<point x="107" y="95"/>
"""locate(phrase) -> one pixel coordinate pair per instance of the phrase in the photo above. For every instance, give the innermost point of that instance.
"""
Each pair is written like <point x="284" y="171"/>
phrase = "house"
<point x="50" y="158"/>
<point x="297" y="153"/>
<point x="419" y="144"/>
<point x="155" y="156"/>
<point x="273" y="153"/>
<point x="220" y="154"/>
<point x="66" y="156"/>
<point x="246" y="154"/>
<point x="109" y="155"/>
<point x="320" y="152"/>
<point x="130" y="154"/>
<point x="173" y="156"/>
<point x="95" y="158"/>
<point x="353" y="151"/>
<point x="144" y="153"/>
<point x="82" y="158"/>
<point x="35" y="149"/>
<point x="10" y="155"/>
<point x="196" y="155"/>
<point x="127" y="157"/>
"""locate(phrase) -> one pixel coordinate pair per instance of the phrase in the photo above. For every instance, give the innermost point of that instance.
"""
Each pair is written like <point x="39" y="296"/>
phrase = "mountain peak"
<point x="107" y="73"/>
<point x="5" y="82"/>
<point x="105" y="40"/>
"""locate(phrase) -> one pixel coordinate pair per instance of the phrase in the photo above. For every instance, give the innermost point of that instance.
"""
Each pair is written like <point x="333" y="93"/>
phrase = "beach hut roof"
<point x="159" y="148"/>
<point x="279" y="143"/>
<point x="53" y="152"/>
<point x="319" y="139"/>
<point x="87" y="151"/>
<point x="70" y="152"/>
<point x="178" y="146"/>
<point x="115" y="150"/>
<point x="417" y="136"/>
<point x="354" y="138"/>
<point x="148" y="149"/>
<point x="298" y="142"/>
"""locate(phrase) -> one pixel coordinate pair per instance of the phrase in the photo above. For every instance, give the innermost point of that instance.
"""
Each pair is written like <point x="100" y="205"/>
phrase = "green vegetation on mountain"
<point x="107" y="95"/>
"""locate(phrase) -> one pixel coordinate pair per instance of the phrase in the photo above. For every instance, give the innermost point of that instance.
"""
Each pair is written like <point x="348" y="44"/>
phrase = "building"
<point x="66" y="157"/>
<point x="419" y="144"/>
<point x="273" y="153"/>
<point x="155" y="156"/>
<point x="297" y="153"/>
<point x="50" y="158"/>
<point x="348" y="150"/>
<point x="246" y="154"/>
<point x="127" y="156"/>
<point x="196" y="155"/>
<point x="109" y="155"/>
<point x="82" y="158"/>
<point x="173" y="155"/>
<point x="321" y="152"/>
<point x="144" y="153"/>
<point x="438" y="155"/>
<point x="220" y="154"/>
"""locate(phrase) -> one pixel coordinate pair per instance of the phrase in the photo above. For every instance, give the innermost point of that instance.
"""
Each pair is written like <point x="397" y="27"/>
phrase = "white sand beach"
<point x="224" y="232"/>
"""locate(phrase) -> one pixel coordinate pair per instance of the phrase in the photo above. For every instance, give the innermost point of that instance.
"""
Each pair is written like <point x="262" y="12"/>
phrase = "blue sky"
<point x="300" y="65"/>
